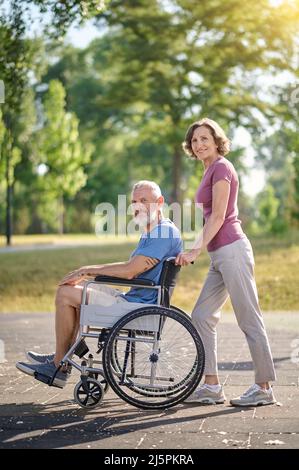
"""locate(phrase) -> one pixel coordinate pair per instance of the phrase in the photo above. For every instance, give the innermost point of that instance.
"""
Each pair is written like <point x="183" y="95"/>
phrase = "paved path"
<point x="33" y="415"/>
<point x="45" y="246"/>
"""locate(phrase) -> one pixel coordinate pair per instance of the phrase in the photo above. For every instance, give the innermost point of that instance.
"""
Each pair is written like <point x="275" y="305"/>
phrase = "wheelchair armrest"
<point x="128" y="282"/>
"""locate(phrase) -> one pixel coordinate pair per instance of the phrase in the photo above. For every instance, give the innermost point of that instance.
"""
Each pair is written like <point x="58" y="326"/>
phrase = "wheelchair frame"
<point x="89" y="373"/>
<point x="85" y="334"/>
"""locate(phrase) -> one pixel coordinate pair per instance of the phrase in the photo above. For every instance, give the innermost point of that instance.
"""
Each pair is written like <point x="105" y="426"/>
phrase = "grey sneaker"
<point x="47" y="370"/>
<point x="254" y="396"/>
<point x="36" y="358"/>
<point x="206" y="396"/>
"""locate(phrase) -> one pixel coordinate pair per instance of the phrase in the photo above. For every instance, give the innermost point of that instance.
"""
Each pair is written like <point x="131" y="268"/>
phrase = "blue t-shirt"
<point x="162" y="242"/>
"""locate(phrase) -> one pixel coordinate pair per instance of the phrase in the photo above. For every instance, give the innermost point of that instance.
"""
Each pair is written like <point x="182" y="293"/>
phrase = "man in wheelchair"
<point x="160" y="240"/>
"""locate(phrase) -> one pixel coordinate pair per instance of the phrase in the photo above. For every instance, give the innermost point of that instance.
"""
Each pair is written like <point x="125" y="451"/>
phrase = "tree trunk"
<point x="61" y="216"/>
<point x="8" y="215"/>
<point x="7" y="149"/>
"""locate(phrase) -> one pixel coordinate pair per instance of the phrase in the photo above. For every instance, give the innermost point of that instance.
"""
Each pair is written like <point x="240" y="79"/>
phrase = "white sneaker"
<point x="254" y="396"/>
<point x="207" y="396"/>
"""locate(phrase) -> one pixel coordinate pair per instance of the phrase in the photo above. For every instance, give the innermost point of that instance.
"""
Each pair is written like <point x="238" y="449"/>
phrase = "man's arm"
<point x="126" y="270"/>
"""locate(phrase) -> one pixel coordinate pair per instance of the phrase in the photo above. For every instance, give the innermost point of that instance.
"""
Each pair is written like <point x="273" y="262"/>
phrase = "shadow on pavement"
<point x="46" y="428"/>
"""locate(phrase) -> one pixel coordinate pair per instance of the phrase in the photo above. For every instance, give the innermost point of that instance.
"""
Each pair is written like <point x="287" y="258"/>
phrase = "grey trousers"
<point x="231" y="274"/>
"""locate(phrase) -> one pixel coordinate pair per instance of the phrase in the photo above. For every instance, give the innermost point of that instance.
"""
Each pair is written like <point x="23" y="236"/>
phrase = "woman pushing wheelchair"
<point x="231" y="271"/>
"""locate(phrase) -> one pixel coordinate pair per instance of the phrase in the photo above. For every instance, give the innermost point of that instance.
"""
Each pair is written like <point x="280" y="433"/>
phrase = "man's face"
<point x="145" y="206"/>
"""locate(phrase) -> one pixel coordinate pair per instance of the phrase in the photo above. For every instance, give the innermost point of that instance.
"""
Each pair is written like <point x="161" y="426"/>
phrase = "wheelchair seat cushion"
<point x="104" y="295"/>
<point x="105" y="316"/>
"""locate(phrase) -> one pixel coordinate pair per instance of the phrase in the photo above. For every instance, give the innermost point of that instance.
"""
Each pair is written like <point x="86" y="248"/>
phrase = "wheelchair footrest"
<point x="45" y="379"/>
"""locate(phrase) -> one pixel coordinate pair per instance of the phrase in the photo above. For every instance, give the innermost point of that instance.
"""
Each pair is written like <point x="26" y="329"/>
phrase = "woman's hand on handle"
<point x="187" y="257"/>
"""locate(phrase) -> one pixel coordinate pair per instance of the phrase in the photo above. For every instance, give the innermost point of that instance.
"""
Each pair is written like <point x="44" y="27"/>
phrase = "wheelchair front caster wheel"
<point x="88" y="394"/>
<point x="105" y="385"/>
<point x="102" y="381"/>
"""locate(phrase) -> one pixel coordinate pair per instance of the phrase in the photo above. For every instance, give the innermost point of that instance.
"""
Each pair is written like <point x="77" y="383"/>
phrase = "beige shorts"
<point x="104" y="295"/>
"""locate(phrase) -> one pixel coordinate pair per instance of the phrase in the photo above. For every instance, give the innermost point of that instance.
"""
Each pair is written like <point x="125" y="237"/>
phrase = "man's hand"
<point x="183" y="259"/>
<point x="76" y="276"/>
<point x="72" y="278"/>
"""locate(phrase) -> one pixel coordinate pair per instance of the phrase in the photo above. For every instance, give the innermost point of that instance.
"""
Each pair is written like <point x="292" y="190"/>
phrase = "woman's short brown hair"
<point x="222" y="142"/>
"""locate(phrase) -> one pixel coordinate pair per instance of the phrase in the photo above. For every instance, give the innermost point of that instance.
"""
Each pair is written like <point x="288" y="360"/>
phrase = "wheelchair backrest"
<point x="168" y="279"/>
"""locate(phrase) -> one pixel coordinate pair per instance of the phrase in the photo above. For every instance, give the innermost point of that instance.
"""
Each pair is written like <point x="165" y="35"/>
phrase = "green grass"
<point x="55" y="239"/>
<point x="28" y="280"/>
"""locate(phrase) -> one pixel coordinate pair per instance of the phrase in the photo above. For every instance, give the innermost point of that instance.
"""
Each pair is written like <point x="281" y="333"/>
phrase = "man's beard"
<point x="143" y="219"/>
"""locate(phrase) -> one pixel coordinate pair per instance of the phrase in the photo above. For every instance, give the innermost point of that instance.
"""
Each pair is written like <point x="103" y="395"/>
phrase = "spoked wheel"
<point x="102" y="381"/>
<point x="153" y="358"/>
<point x="177" y="309"/>
<point x="144" y="389"/>
<point x="88" y="394"/>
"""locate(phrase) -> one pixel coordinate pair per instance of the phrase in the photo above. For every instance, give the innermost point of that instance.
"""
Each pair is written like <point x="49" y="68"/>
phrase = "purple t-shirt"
<point x="230" y="231"/>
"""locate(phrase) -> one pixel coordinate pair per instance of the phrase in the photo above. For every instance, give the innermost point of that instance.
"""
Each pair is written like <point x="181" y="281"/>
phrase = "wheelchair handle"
<point x="192" y="262"/>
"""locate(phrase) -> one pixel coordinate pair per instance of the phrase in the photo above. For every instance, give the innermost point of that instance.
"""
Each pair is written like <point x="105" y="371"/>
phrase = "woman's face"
<point x="203" y="144"/>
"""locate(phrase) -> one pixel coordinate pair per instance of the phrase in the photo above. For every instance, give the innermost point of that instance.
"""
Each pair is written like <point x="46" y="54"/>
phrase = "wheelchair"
<point x="150" y="355"/>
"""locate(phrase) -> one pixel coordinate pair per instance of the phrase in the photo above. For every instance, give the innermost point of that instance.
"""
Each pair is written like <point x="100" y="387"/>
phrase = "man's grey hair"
<point x="148" y="184"/>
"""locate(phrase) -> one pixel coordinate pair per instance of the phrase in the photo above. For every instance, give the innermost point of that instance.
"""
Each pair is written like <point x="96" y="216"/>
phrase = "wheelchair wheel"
<point x="116" y="362"/>
<point x="102" y="381"/>
<point x="89" y="394"/>
<point x="181" y="311"/>
<point x="153" y="358"/>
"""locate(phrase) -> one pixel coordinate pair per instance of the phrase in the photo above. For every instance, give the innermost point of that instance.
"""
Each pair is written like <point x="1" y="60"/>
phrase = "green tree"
<point x="14" y="73"/>
<point x="59" y="148"/>
<point x="278" y="153"/>
<point x="275" y="155"/>
<point x="17" y="61"/>
<point x="186" y="59"/>
<point x="153" y="72"/>
<point x="267" y="210"/>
